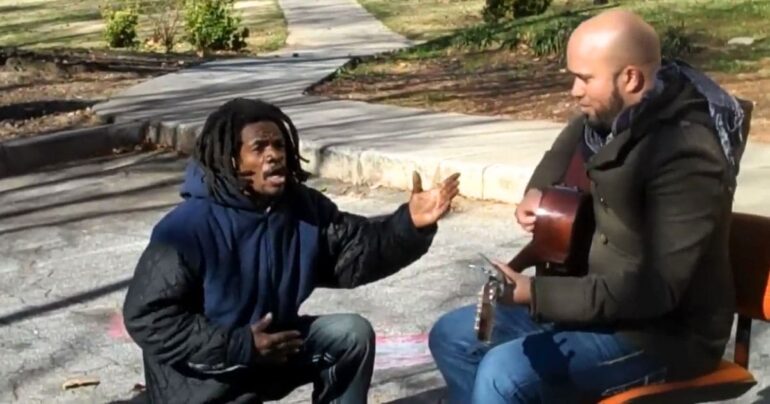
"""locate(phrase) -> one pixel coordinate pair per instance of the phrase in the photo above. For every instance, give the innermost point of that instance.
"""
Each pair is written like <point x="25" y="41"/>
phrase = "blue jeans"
<point x="529" y="362"/>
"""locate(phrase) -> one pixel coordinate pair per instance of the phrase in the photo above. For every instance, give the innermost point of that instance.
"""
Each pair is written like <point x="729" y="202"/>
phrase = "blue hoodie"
<point x="252" y="261"/>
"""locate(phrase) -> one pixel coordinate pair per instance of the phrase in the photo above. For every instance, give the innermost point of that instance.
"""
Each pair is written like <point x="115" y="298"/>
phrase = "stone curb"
<point x="479" y="180"/>
<point x="363" y="166"/>
<point x="496" y="182"/>
<point x="19" y="156"/>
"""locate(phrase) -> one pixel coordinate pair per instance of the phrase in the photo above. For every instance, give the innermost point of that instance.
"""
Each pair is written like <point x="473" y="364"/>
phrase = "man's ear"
<point x="633" y="80"/>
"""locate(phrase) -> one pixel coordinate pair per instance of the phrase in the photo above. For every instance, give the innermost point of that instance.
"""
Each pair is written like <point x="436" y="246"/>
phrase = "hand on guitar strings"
<point x="517" y="293"/>
<point x="527" y="208"/>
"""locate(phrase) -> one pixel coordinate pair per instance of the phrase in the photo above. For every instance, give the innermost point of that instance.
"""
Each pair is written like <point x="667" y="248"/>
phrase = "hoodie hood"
<point x="195" y="186"/>
<point x="251" y="261"/>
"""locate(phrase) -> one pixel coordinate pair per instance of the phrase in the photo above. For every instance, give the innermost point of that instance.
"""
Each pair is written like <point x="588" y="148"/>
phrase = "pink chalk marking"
<point x="396" y="351"/>
<point x="393" y="351"/>
<point x="116" y="329"/>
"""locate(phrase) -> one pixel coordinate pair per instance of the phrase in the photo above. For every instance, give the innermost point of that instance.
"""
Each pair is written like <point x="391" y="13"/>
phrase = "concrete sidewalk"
<point x="359" y="142"/>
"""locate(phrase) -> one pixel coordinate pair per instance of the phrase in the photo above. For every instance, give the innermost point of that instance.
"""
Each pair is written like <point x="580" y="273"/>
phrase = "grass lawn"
<point x="39" y="24"/>
<point x="463" y="67"/>
<point x="425" y="19"/>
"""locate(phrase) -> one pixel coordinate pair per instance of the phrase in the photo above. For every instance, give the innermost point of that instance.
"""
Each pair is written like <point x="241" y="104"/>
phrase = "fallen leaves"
<point x="31" y="79"/>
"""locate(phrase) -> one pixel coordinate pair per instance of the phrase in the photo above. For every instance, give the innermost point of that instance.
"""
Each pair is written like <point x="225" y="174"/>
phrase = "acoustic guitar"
<point x="561" y="238"/>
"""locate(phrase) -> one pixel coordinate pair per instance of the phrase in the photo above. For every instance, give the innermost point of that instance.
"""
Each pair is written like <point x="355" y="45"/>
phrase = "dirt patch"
<point x="54" y="90"/>
<point x="516" y="85"/>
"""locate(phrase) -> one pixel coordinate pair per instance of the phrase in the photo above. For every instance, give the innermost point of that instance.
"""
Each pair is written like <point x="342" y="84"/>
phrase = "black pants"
<point x="337" y="358"/>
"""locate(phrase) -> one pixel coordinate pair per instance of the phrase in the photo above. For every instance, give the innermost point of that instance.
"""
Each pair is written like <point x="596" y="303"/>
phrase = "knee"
<point x="438" y="334"/>
<point x="355" y="330"/>
<point x="504" y="375"/>
<point x="451" y="331"/>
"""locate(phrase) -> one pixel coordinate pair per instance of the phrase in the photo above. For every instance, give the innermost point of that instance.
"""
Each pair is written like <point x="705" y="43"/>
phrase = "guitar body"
<point x="561" y="239"/>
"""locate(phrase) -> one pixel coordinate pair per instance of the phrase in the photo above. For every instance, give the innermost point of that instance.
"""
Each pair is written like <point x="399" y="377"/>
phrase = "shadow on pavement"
<point x="93" y="294"/>
<point x="434" y="396"/>
<point x="87" y="216"/>
<point x="763" y="396"/>
<point x="93" y="198"/>
<point x="64" y="172"/>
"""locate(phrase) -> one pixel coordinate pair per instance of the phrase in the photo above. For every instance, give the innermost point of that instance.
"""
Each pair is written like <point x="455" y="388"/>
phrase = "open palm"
<point x="427" y="207"/>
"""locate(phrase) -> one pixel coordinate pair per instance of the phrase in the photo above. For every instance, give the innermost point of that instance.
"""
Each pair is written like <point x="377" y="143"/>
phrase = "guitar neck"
<point x="524" y="259"/>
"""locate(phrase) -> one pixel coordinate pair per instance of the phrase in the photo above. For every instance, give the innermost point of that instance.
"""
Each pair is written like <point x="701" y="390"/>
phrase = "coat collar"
<point x="675" y="97"/>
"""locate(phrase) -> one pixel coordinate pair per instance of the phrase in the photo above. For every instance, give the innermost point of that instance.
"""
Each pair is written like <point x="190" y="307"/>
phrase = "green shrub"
<point x="478" y="37"/>
<point x="495" y="10"/>
<point x="526" y="8"/>
<point x="213" y="25"/>
<point x="120" y="26"/>
<point x="550" y="38"/>
<point x="676" y="41"/>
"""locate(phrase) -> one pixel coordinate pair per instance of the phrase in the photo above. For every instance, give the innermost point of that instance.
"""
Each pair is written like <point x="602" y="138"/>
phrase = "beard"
<point x="602" y="119"/>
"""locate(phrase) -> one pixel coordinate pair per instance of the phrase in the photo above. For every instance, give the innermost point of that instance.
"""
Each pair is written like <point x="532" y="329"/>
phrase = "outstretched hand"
<point x="427" y="207"/>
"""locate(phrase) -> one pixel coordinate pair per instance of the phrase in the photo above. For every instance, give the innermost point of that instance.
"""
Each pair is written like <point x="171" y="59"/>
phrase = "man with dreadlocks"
<point x="214" y="300"/>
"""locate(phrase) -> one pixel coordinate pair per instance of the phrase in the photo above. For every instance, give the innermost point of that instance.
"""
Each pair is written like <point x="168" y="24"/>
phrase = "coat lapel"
<point x="610" y="152"/>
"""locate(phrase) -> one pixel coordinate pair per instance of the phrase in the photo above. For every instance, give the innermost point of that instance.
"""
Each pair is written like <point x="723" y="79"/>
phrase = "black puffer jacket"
<point x="212" y="268"/>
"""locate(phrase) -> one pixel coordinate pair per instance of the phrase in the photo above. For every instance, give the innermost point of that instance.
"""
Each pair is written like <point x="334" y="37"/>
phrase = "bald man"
<point x="660" y="143"/>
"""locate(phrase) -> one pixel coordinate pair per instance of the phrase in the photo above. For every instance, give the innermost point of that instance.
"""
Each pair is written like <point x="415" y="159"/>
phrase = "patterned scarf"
<point x="725" y="111"/>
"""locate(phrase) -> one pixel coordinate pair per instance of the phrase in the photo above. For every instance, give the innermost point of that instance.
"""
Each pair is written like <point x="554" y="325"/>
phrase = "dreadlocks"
<point x="220" y="142"/>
